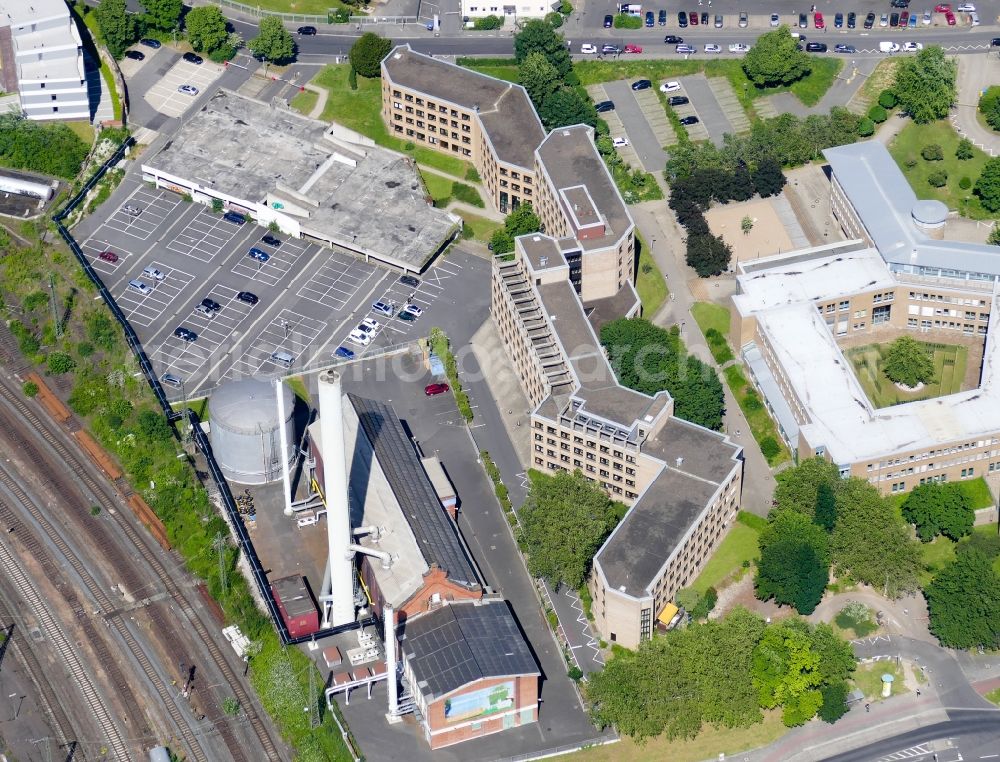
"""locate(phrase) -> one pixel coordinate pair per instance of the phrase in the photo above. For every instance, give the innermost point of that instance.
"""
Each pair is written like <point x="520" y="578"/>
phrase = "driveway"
<point x="975" y="73"/>
<point x="648" y="148"/>
<point x="710" y="113"/>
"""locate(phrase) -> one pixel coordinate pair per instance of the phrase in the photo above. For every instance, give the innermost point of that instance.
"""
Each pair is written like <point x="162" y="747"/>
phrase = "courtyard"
<point x="950" y="362"/>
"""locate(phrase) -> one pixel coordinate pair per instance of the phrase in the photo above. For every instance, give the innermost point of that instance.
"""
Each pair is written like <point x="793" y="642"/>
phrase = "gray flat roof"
<point x="463" y="642"/>
<point x="601" y="311"/>
<point x="706" y="454"/>
<point x="362" y="196"/>
<point x="435" y="534"/>
<point x="543" y="252"/>
<point x="505" y="111"/>
<point x="569" y="158"/>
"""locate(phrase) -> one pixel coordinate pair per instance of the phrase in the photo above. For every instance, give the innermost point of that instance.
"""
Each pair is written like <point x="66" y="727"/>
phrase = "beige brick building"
<point x="795" y="314"/>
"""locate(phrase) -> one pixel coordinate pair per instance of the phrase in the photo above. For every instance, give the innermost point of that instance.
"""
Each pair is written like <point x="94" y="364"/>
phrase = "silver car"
<point x="188" y="89"/>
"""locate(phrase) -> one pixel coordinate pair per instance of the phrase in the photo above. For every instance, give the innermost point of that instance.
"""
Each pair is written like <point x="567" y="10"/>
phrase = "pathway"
<point x="975" y="74"/>
<point x="323" y="94"/>
<point x="844" y="86"/>
<point x="906" y="616"/>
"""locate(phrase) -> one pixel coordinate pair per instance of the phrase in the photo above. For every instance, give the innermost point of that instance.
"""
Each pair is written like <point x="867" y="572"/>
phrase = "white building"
<point x="40" y="46"/>
<point x="511" y="12"/>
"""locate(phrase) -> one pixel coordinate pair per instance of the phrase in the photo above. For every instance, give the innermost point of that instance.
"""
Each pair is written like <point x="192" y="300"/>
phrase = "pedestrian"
<point x="918" y="691"/>
<point x="868" y="707"/>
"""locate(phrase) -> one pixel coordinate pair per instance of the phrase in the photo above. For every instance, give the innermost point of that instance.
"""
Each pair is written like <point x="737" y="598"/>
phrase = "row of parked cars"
<point x="683" y="18"/>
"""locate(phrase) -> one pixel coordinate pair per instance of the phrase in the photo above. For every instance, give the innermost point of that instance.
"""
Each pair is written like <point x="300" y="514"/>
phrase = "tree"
<point x="925" y="85"/>
<point x="866" y="127"/>
<point x="964" y="150"/>
<point x="794" y="564"/>
<point x="164" y="15"/>
<point x="708" y="254"/>
<point x="908" y="362"/>
<point x="994" y="237"/>
<point x="932" y="152"/>
<point x="367" y="52"/>
<point x="878" y="114"/>
<point x="768" y="179"/>
<point x="871" y="542"/>
<point x="798" y="488"/>
<point x="58" y="363"/>
<point x="537" y="36"/>
<point x="937" y="179"/>
<point x="154" y="426"/>
<point x="206" y="28"/>
<point x="936" y="508"/>
<point x="740" y="184"/>
<point x="539" y="78"/>
<point x="887" y="99"/>
<point x="988" y="185"/>
<point x="786" y="673"/>
<point x="117" y="26"/>
<point x="746" y="224"/>
<point x="963" y="601"/>
<point x="776" y="60"/>
<point x="834" y="704"/>
<point x="826" y="507"/>
<point x="564" y="520"/>
<point x="521" y="221"/>
<point x="567" y="106"/>
<point x="273" y="42"/>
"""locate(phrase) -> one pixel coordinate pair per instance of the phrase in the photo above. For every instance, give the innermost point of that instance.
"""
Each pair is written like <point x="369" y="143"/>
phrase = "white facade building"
<point x="47" y="58"/>
<point x="509" y="11"/>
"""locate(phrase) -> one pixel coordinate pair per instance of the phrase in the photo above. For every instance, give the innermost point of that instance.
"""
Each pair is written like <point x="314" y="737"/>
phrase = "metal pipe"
<point x="384" y="555"/>
<point x="389" y="627"/>
<point x="286" y="476"/>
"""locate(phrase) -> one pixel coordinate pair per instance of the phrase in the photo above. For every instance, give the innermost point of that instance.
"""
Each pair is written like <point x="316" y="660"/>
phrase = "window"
<point x="844" y="305"/>
<point x="645" y="619"/>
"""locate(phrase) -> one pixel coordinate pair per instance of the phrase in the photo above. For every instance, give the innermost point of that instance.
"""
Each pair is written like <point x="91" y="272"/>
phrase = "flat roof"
<point x="19" y="12"/>
<point x="359" y="195"/>
<point x="570" y="159"/>
<point x="463" y="642"/>
<point x="505" y="111"/>
<point x="600" y="311"/>
<point x="704" y="454"/>
<point x="542" y="251"/>
<point x="434" y="531"/>
<point x="294" y="595"/>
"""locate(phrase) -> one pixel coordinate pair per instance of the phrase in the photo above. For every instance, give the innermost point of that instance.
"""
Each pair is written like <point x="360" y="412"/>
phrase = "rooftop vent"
<point x="542" y="261"/>
<point x="536" y="238"/>
<point x="565" y="133"/>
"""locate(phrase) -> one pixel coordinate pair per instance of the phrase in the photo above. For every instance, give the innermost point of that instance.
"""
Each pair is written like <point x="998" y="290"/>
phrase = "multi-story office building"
<point x="796" y="314"/>
<point x="41" y="57"/>
<point x="682" y="481"/>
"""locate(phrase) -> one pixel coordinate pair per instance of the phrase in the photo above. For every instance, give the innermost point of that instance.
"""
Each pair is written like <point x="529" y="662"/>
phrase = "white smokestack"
<point x="389" y="626"/>
<point x="340" y="608"/>
<point x="286" y="477"/>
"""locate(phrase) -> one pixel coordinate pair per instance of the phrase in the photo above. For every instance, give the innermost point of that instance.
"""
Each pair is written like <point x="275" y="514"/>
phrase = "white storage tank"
<point x="245" y="433"/>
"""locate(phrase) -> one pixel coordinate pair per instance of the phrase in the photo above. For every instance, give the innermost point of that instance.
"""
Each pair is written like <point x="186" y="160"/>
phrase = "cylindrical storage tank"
<point x="930" y="215"/>
<point x="245" y="431"/>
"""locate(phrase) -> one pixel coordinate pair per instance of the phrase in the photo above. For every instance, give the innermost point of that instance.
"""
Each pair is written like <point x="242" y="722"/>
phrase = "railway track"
<point x="166" y="626"/>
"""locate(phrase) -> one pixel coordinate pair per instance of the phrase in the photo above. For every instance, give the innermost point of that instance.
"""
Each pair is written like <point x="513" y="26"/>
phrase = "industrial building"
<point x="41" y="59"/>
<point x="314" y="180"/>
<point x="899" y="274"/>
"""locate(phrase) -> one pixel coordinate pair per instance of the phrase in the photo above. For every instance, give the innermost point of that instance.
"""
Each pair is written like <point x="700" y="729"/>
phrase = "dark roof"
<point x="707" y="454"/>
<point x="624" y="303"/>
<point x="293" y="595"/>
<point x="505" y="111"/>
<point x="435" y="534"/>
<point x="458" y="644"/>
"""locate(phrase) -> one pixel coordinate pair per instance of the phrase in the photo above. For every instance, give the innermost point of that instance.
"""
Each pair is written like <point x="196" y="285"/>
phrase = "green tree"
<point x="154" y="426"/>
<point x="564" y="520"/>
<point x="786" y="673"/>
<point x="878" y="114"/>
<point x="53" y="149"/>
<point x="836" y="656"/>
<point x="567" y="106"/>
<point x="536" y="36"/>
<point x="834" y="701"/>
<point x="871" y="542"/>
<point x="164" y="15"/>
<point x="539" y="77"/>
<point x="708" y="254"/>
<point x="768" y="179"/>
<point x="963" y="601"/>
<point x="206" y="28"/>
<point x="521" y="221"/>
<point x="826" y="507"/>
<point x="887" y="99"/>
<point x="994" y="237"/>
<point x="866" y="127"/>
<point x="798" y="488"/>
<point x="776" y="60"/>
<point x="273" y="42"/>
<point x="926" y="85"/>
<point x="936" y="508"/>
<point x="58" y="363"/>
<point x="988" y="185"/>
<point x="117" y="26"/>
<point x="964" y="150"/>
<point x="908" y="362"/>
<point x="367" y="52"/>
<point x="794" y="564"/>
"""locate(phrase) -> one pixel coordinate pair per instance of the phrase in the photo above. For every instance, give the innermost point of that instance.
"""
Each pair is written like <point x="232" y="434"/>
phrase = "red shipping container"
<point x="296" y="605"/>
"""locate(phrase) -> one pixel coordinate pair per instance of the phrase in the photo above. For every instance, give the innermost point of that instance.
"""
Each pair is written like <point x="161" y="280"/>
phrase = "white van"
<point x="283" y="358"/>
<point x="142" y="288"/>
<point x="888" y="47"/>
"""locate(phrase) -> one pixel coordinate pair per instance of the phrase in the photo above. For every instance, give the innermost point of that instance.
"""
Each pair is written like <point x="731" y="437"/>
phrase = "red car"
<point x="818" y="21"/>
<point x="950" y="18"/>
<point x="693" y="18"/>
<point x="108" y="256"/>
<point x="433" y="389"/>
<point x="633" y="48"/>
<point x="943" y="8"/>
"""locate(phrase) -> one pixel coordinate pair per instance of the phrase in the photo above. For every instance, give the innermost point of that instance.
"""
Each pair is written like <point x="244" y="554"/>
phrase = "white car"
<point x="966" y="8"/>
<point x="588" y="48"/>
<point x="713" y="48"/>
<point x="912" y="47"/>
<point x="670" y="87"/>
<point x="883" y="20"/>
<point x="619" y="142"/>
<point x="152" y="272"/>
<point x="739" y="47"/>
<point x="360" y="338"/>
<point x="775" y="19"/>
<point x="973" y="18"/>
<point x="188" y="89"/>
<point x="413" y="309"/>
<point x="927" y="18"/>
<point x="369" y="325"/>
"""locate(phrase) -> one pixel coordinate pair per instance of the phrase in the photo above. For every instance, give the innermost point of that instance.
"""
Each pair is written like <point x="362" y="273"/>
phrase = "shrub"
<point x="938" y="178"/>
<point x="30" y="388"/>
<point x="932" y="152"/>
<point x="624" y="21"/>
<point x="887" y="99"/>
<point x="554" y="19"/>
<point x="751" y="401"/>
<point x="217" y="205"/>
<point x="866" y="127"/>
<point x="490" y="22"/>
<point x="466" y="193"/>
<point x="964" y="150"/>
<point x="223" y="54"/>
<point x="575" y="674"/>
<point x="352" y="79"/>
<point x="26" y="340"/>
<point x="58" y="363"/>
<point x="769" y="447"/>
<point x="95" y="510"/>
<point x="965" y="183"/>
<point x="878" y="114"/>
<point x="911" y="161"/>
<point x="154" y="426"/>
<point x="565" y="8"/>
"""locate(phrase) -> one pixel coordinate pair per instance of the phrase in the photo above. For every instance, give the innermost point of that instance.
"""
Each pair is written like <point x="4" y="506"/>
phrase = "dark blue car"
<point x="344" y="353"/>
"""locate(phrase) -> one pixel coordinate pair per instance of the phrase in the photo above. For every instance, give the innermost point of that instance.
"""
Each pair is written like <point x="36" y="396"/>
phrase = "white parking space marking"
<point x="146" y="309"/>
<point x="153" y="206"/>
<point x="93" y="247"/>
<point x="204" y="236"/>
<point x="270" y="272"/>
<point x="338" y="279"/>
<point x="289" y="331"/>
<point x="164" y="97"/>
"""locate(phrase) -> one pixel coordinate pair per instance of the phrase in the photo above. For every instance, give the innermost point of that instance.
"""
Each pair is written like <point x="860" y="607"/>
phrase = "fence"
<point x="258" y="12"/>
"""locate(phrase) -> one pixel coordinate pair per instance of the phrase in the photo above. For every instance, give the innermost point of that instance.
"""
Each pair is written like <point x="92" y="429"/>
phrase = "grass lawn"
<point x="906" y="149"/>
<point x="977" y="493"/>
<point x="868" y="678"/>
<point x="649" y="282"/>
<point x="949" y="373"/>
<point x="478" y="228"/>
<point x="761" y="424"/>
<point x="993" y="696"/>
<point x="310" y="7"/>
<point x="882" y="78"/>
<point x="739" y="545"/>
<point x="200" y="407"/>
<point x="709" y="316"/>
<point x="305" y="102"/>
<point x="935" y="556"/>
<point x="810" y="89"/>
<point x="709" y="743"/>
<point x="438" y="187"/>
<point x="84" y="130"/>
<point x="360" y="110"/>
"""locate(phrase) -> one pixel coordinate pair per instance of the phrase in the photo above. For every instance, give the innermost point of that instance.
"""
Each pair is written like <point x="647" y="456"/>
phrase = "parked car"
<point x="670" y="87"/>
<point x="818" y="21"/>
<point x="926" y="18"/>
<point x="678" y="100"/>
<point x="343" y="353"/>
<point x="803" y="21"/>
<point x="609" y="21"/>
<point x="201" y="309"/>
<point x="135" y="55"/>
<point x="682" y="20"/>
<point x="718" y="21"/>
<point x="662" y="18"/>
<point x="995" y="42"/>
<point x="942" y="8"/>
<point x="852" y="20"/>
<point x="693" y="18"/>
<point x="131" y="211"/>
<point x="604" y="106"/>
<point x="739" y="47"/>
<point x="171" y="380"/>
<point x="211" y="304"/>
<point x="684" y="49"/>
<point x="888" y="47"/>
<point x="650" y="20"/>
<point x="185" y="334"/>
<point x="950" y="18"/>
<point x="775" y="19"/>
<point x="383" y="308"/>
<point x="687" y="120"/>
<point x="912" y="47"/>
<point x="413" y="309"/>
<point x="434" y="389"/>
<point x="904" y="18"/>
<point x="152" y="272"/>
<point x="588" y="47"/>
<point x="869" y="21"/>
<point x="619" y="142"/>
<point x="193" y="59"/>
<point x="406" y="317"/>
<point x="838" y="21"/>
<point x="247" y="298"/>
<point x="630" y="48"/>
<point x="641" y="84"/>
<point x="744" y="20"/>
<point x="913" y="20"/>
<point x="360" y="338"/>
<point x="108" y="256"/>
<point x="143" y="288"/>
<point x="409" y="280"/>
<point x="270" y="240"/>
<point x="608" y="48"/>
<point x="704" y="18"/>
<point x="841" y="48"/>
<point x="815" y="47"/>
<point x="258" y="254"/>
<point x="672" y="39"/>
<point x="883" y="20"/>
<point x="966" y="8"/>
<point x="234" y="217"/>
<point x="188" y="89"/>
<point x="369" y="325"/>
<point x="306" y="31"/>
<point x="712" y="48"/>
<point x="894" y="20"/>
<point x="974" y="18"/>
<point x="154" y="44"/>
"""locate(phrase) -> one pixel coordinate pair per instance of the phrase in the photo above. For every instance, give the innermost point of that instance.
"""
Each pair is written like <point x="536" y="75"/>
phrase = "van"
<point x="888" y="47"/>
<point x="142" y="288"/>
<point x="283" y="358"/>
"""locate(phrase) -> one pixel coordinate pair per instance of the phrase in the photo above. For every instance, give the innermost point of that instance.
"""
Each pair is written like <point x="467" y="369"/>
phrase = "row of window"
<point x="411" y="133"/>
<point x="553" y="466"/>
<point x="430" y="104"/>
<point x="965" y="446"/>
<point x="966" y="473"/>
<point x="942" y="298"/>
<point x="966" y="328"/>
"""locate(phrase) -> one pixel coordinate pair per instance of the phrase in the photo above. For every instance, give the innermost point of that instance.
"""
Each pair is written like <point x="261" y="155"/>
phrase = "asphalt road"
<point x="646" y="146"/>
<point x="970" y="736"/>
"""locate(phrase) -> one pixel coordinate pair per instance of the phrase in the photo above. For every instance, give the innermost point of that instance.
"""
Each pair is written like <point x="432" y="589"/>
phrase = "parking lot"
<point x="309" y="297"/>
<point x="164" y="96"/>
